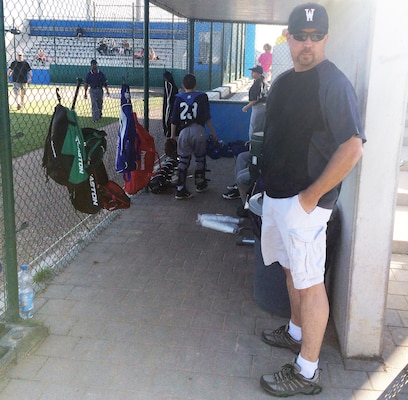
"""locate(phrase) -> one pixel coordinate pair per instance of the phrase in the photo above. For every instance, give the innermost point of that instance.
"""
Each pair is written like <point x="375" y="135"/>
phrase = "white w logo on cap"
<point x="309" y="14"/>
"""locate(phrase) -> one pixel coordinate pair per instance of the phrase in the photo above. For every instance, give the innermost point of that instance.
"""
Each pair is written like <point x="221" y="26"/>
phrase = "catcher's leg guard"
<point x="200" y="181"/>
<point x="181" y="177"/>
<point x="200" y="162"/>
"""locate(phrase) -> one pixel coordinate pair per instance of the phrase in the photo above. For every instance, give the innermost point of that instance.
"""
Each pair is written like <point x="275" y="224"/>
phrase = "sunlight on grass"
<point x="29" y="126"/>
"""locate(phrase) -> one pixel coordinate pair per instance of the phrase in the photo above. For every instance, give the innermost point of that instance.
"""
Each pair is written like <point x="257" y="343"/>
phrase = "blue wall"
<point x="41" y="76"/>
<point x="250" y="55"/>
<point x="230" y="123"/>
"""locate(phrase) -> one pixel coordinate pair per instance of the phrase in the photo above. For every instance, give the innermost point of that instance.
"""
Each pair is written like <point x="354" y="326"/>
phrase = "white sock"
<point x="295" y="331"/>
<point x="307" y="368"/>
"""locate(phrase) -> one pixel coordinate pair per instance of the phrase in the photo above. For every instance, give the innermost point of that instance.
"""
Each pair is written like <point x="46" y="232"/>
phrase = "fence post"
<point x="10" y="262"/>
<point x="146" y="64"/>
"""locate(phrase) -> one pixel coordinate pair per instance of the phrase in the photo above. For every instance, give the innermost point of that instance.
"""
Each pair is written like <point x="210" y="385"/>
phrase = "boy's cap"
<point x="257" y="68"/>
<point x="93" y="62"/>
<point x="308" y="16"/>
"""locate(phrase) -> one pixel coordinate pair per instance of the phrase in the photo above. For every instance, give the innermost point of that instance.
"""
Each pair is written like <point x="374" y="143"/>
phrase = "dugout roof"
<point x="255" y="11"/>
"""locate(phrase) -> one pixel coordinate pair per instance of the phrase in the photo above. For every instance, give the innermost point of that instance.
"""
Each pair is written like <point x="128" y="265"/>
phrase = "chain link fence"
<point x="49" y="231"/>
<point x="58" y="41"/>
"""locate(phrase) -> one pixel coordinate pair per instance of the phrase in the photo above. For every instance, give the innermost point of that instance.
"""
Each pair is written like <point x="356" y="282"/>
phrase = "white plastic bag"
<point x="218" y="222"/>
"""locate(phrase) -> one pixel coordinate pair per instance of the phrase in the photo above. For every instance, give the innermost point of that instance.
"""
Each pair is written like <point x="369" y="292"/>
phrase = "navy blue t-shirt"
<point x="308" y="116"/>
<point x="96" y="79"/>
<point x="192" y="107"/>
<point x="20" y="70"/>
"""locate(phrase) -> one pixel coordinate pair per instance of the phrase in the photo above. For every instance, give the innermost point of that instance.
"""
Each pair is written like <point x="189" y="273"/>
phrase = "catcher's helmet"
<point x="214" y="149"/>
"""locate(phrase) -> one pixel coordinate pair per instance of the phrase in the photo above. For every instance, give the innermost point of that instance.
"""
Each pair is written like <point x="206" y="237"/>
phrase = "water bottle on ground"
<point x="25" y="293"/>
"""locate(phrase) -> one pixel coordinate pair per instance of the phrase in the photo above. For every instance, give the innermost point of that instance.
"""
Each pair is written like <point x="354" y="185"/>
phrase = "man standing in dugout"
<point x="313" y="138"/>
<point x="191" y="112"/>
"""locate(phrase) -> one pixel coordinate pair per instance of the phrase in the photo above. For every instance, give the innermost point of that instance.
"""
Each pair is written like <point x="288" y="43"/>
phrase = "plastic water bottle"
<point x="25" y="293"/>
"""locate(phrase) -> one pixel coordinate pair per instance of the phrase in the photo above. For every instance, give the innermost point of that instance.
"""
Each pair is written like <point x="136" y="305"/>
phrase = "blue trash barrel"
<point x="270" y="290"/>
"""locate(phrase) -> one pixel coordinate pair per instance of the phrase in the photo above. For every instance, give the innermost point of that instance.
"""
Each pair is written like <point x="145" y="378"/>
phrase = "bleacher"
<point x="58" y="40"/>
<point x="79" y="51"/>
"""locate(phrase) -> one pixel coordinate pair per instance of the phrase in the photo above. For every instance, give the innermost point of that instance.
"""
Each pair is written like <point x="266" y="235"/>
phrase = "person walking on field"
<point x="313" y="139"/>
<point x="96" y="81"/>
<point x="191" y="112"/>
<point x="21" y="73"/>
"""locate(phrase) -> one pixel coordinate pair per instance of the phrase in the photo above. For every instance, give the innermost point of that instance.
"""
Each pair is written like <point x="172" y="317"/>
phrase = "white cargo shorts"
<point x="294" y="238"/>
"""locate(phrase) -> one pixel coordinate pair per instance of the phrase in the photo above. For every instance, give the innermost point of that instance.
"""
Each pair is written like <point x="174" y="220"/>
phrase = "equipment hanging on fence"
<point x="85" y="196"/>
<point x="73" y="157"/>
<point x="136" y="154"/>
<point x="64" y="150"/>
<point x="128" y="146"/>
<point x="170" y="91"/>
<point x="140" y="177"/>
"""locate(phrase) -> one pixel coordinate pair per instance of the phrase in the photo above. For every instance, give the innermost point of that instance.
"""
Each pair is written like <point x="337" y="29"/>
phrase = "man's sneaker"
<point x="201" y="188"/>
<point x="232" y="195"/>
<point x="289" y="381"/>
<point x="183" y="194"/>
<point x="280" y="338"/>
<point x="232" y="187"/>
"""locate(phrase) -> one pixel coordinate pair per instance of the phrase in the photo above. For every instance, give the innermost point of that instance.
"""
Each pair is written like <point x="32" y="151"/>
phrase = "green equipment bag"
<point x="64" y="158"/>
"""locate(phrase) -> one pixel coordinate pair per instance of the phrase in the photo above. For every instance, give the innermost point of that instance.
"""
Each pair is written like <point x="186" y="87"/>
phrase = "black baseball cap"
<point x="94" y="62"/>
<point x="308" y="16"/>
<point x="257" y="68"/>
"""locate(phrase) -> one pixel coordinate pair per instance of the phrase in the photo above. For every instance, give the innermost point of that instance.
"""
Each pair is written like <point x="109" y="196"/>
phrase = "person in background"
<point x="313" y="138"/>
<point x="140" y="55"/>
<point x="152" y="54"/>
<point x="282" y="38"/>
<point x="102" y="49"/>
<point x="112" y="48"/>
<point x="126" y="47"/>
<point x="265" y="61"/>
<point x="257" y="100"/>
<point x="191" y="112"/>
<point x="22" y="75"/>
<point x="281" y="58"/>
<point x="79" y="32"/>
<point x="96" y="80"/>
<point x="41" y="57"/>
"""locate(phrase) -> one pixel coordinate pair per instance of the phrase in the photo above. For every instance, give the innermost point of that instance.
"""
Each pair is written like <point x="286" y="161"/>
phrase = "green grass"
<point x="29" y="127"/>
<point x="43" y="276"/>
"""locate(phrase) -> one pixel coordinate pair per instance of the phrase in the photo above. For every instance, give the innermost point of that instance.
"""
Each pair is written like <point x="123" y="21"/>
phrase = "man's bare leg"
<point x="310" y="311"/>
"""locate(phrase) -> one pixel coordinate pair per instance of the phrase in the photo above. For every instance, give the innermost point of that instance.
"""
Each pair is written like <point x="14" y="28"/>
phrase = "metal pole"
<point x="222" y="61"/>
<point x="133" y="36"/>
<point x="8" y="190"/>
<point x="210" y="61"/>
<point x="172" y="41"/>
<point x="191" y="47"/>
<point x="146" y="64"/>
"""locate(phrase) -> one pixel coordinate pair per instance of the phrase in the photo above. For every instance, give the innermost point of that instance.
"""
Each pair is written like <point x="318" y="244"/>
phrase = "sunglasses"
<point x="314" y="36"/>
